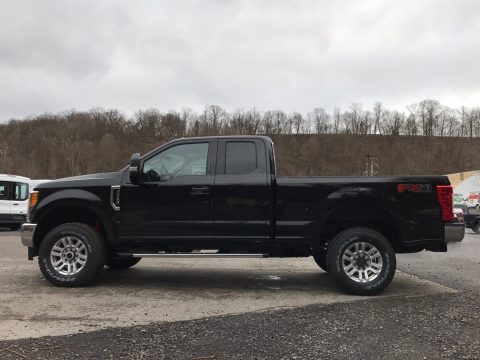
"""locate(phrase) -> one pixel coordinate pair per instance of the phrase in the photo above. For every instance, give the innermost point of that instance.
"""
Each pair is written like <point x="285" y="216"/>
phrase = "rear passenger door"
<point x="242" y="208"/>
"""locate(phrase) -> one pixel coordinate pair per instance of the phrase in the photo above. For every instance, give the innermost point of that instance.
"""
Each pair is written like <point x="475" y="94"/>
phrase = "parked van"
<point x="14" y="192"/>
<point x="473" y="200"/>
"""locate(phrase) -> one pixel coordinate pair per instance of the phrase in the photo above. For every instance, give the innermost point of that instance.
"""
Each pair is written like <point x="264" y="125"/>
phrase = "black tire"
<point x="94" y="248"/>
<point x="349" y="237"/>
<point x="121" y="263"/>
<point x="476" y="228"/>
<point x="320" y="259"/>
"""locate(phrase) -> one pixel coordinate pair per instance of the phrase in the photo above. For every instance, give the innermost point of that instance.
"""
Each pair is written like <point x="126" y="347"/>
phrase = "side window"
<point x="21" y="191"/>
<point x="179" y="160"/>
<point x="240" y="157"/>
<point x="4" y="190"/>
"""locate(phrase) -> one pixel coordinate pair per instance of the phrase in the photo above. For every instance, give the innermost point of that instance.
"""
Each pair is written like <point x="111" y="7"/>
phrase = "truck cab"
<point x="205" y="192"/>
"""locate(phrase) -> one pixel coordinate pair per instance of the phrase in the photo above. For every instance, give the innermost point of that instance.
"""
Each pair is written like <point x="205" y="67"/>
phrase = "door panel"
<point x="242" y="205"/>
<point x="19" y="198"/>
<point x="5" y="202"/>
<point x="174" y="200"/>
<point x="167" y="210"/>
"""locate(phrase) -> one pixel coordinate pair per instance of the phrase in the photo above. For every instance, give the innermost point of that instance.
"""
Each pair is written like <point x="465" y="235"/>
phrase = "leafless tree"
<point x="321" y="120"/>
<point x="73" y="142"/>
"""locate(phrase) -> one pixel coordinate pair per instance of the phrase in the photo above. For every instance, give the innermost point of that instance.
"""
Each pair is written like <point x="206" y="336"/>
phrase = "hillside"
<point x="344" y="154"/>
<point x="52" y="146"/>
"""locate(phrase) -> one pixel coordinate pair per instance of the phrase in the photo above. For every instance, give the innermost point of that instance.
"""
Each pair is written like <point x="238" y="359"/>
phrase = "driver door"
<point x="173" y="199"/>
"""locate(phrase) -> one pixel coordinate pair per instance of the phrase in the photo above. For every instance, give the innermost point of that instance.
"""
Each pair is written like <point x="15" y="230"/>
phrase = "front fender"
<point x="78" y="198"/>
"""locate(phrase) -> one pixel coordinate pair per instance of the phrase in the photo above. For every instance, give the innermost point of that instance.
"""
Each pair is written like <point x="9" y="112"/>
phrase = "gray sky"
<point x="290" y="55"/>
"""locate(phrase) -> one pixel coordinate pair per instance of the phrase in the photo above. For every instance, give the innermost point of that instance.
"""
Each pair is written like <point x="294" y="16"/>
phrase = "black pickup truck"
<point x="221" y="197"/>
<point x="472" y="220"/>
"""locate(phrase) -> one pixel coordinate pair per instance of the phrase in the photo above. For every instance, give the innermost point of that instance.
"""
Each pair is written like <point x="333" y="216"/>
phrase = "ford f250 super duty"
<point x="221" y="197"/>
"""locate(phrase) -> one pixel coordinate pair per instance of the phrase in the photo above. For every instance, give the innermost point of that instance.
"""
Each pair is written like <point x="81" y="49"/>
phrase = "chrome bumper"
<point x="454" y="232"/>
<point x="26" y="234"/>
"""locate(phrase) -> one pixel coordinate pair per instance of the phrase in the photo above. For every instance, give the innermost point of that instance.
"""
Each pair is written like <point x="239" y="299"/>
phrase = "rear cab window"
<point x="240" y="158"/>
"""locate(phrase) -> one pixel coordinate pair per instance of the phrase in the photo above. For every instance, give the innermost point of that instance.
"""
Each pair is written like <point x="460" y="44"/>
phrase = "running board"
<point x="199" y="255"/>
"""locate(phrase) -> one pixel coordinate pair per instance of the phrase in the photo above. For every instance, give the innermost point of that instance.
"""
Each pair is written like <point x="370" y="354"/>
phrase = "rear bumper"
<point x="26" y="234"/>
<point x="454" y="232"/>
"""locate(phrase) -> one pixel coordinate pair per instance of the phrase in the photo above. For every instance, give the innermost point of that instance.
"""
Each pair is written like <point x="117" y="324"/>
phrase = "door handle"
<point x="15" y="204"/>
<point x="200" y="190"/>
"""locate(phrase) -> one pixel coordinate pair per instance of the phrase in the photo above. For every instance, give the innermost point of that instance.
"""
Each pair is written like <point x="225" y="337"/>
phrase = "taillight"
<point x="445" y="199"/>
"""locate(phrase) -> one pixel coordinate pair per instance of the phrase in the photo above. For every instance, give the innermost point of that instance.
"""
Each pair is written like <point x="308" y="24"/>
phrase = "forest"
<point x="427" y="138"/>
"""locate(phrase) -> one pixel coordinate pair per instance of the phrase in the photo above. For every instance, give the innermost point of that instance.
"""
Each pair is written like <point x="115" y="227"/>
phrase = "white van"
<point x="14" y="191"/>
<point x="474" y="199"/>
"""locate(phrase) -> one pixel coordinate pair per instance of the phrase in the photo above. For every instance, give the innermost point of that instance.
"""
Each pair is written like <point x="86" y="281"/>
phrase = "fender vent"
<point x="115" y="197"/>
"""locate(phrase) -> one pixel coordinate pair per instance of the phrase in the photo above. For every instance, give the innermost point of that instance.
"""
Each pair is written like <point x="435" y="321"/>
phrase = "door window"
<point x="179" y="160"/>
<point x="4" y="190"/>
<point x="21" y="191"/>
<point x="240" y="158"/>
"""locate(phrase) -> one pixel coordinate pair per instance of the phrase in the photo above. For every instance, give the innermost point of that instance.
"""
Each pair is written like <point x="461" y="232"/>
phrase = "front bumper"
<point x="13" y="219"/>
<point x="26" y="234"/>
<point x="454" y="232"/>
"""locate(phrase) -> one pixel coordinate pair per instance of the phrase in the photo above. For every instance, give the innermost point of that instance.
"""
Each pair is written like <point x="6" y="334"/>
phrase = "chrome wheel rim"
<point x="68" y="255"/>
<point x="362" y="262"/>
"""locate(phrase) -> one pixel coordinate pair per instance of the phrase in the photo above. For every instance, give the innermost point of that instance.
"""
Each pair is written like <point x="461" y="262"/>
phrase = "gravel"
<point x="435" y="327"/>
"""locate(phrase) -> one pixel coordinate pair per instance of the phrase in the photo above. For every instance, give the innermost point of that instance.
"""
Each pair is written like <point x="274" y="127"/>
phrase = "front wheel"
<point x="72" y="255"/>
<point x="361" y="260"/>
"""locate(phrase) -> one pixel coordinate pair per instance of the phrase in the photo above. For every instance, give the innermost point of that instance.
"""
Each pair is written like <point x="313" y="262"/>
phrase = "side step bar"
<point x="199" y="255"/>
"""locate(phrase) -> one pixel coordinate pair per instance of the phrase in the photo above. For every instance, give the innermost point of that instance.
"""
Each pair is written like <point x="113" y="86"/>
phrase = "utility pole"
<point x="371" y="165"/>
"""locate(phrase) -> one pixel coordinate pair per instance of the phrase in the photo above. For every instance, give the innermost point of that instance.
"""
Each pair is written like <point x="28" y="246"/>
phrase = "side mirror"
<point x="134" y="168"/>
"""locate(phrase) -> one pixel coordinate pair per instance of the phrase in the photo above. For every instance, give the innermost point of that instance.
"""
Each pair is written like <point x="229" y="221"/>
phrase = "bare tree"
<point x="320" y="120"/>
<point x="377" y="117"/>
<point x="73" y="142"/>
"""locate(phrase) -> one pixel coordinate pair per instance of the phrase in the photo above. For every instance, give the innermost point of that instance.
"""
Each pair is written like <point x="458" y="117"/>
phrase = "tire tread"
<point x="90" y="274"/>
<point x="349" y="285"/>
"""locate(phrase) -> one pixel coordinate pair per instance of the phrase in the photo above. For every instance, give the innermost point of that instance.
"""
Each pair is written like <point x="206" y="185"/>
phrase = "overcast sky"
<point x="290" y="55"/>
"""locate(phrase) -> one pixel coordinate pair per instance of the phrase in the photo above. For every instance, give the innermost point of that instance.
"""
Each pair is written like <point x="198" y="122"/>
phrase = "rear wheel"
<point x="72" y="255"/>
<point x="476" y="228"/>
<point x="121" y="263"/>
<point x="361" y="260"/>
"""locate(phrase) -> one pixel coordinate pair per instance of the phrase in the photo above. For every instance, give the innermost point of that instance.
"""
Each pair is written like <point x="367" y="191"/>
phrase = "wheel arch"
<point x="364" y="215"/>
<point x="72" y="210"/>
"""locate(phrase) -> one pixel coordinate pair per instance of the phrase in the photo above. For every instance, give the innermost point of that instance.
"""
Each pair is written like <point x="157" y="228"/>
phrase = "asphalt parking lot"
<point x="243" y="308"/>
